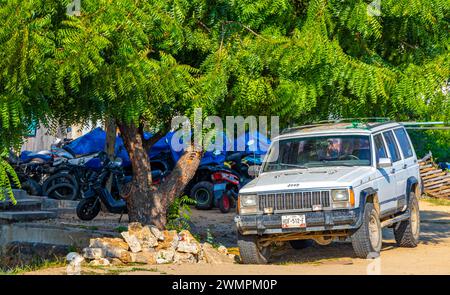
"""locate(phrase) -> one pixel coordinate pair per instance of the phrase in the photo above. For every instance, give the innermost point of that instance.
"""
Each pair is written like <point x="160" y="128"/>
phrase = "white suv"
<point x="332" y="181"/>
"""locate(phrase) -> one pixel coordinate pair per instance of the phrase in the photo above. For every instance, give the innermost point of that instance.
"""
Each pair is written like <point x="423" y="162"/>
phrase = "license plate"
<point x="293" y="221"/>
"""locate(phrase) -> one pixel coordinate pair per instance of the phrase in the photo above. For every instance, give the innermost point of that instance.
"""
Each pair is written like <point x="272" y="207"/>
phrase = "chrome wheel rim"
<point x="374" y="232"/>
<point x="415" y="221"/>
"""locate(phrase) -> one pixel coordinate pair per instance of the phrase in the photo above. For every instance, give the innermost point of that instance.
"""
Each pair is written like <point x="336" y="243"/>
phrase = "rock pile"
<point x="149" y="245"/>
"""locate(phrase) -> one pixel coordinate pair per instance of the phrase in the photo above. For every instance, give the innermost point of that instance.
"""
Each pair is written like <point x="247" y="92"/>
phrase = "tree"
<point x="117" y="61"/>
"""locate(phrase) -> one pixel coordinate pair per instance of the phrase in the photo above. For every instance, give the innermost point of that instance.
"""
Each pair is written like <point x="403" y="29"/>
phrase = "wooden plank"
<point x="437" y="179"/>
<point x="425" y="167"/>
<point x="436" y="188"/>
<point x="430" y="176"/>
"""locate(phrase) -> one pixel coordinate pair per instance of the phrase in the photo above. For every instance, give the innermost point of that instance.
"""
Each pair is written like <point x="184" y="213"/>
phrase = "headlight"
<point x="343" y="198"/>
<point x="339" y="195"/>
<point x="247" y="204"/>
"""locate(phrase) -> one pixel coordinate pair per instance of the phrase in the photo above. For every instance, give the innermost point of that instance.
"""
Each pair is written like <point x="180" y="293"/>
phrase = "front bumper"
<point x="315" y="221"/>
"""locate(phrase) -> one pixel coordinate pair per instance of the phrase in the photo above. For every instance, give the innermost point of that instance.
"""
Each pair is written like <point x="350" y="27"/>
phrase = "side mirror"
<point x="384" y="163"/>
<point x="253" y="171"/>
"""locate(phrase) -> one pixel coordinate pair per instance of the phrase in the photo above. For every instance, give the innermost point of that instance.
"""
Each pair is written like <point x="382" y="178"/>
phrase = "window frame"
<point x="376" y="160"/>
<point x="396" y="146"/>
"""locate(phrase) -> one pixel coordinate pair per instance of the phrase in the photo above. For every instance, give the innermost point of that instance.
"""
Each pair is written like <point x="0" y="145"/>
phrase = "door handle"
<point x="393" y="170"/>
<point x="405" y="166"/>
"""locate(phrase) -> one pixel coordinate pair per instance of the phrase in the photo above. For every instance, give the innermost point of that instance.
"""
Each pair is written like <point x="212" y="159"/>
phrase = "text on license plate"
<point x="293" y="221"/>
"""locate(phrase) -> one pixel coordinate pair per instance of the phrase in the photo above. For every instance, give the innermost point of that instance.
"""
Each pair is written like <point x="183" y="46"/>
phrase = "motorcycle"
<point x="114" y="199"/>
<point x="226" y="187"/>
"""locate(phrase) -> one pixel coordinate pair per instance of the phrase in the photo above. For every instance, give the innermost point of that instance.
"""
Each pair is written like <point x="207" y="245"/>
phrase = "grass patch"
<point x="121" y="229"/>
<point x="38" y="265"/>
<point x="437" y="201"/>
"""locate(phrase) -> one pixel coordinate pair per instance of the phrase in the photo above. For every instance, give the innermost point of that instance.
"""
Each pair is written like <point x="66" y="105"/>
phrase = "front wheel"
<point x="368" y="238"/>
<point x="251" y="251"/>
<point x="88" y="209"/>
<point x="203" y="194"/>
<point x="407" y="232"/>
<point x="224" y="204"/>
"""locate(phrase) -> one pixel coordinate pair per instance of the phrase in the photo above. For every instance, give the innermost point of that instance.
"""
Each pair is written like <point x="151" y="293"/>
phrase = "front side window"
<point x="322" y="151"/>
<point x="403" y="140"/>
<point x="392" y="145"/>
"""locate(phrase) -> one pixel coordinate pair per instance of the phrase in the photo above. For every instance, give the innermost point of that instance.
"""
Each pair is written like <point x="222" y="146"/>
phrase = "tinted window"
<point x="405" y="145"/>
<point x="380" y="148"/>
<point x="392" y="146"/>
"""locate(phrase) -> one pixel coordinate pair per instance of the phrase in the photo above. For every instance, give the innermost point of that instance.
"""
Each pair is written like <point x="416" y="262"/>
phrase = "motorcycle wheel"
<point x="66" y="185"/>
<point x="203" y="194"/>
<point x="62" y="191"/>
<point x="224" y="204"/>
<point x="88" y="209"/>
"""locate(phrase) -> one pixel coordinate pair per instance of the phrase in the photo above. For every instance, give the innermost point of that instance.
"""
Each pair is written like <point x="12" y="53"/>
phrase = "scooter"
<point x="98" y="193"/>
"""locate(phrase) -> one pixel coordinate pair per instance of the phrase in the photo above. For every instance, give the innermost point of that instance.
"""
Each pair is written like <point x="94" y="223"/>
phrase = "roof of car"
<point x="339" y="127"/>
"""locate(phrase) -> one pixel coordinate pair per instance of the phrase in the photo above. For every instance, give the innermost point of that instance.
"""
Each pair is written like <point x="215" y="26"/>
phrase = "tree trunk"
<point x="146" y="203"/>
<point x="110" y="128"/>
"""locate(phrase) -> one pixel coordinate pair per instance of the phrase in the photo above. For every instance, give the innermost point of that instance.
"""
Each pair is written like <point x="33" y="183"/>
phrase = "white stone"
<point x="186" y="247"/>
<point x="132" y="241"/>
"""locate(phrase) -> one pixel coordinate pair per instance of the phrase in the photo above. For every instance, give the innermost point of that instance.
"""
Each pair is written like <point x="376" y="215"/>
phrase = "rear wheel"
<point x="368" y="238"/>
<point x="407" y="232"/>
<point x="301" y="244"/>
<point x="88" y="209"/>
<point x="62" y="191"/>
<point x="251" y="251"/>
<point x="32" y="187"/>
<point x="203" y="194"/>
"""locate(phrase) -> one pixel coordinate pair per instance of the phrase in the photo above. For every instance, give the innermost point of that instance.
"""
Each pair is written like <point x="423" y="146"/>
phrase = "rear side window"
<point x="403" y="140"/>
<point x="380" y="148"/>
<point x="392" y="145"/>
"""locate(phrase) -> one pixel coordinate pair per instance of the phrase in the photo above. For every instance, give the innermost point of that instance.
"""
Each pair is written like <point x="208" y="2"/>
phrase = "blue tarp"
<point x="260" y="146"/>
<point x="95" y="141"/>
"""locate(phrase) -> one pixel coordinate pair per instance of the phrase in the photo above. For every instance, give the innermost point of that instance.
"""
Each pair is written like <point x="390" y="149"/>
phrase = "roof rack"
<point x="355" y="121"/>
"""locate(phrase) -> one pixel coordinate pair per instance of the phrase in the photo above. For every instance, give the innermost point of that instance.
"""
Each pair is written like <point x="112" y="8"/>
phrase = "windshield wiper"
<point x="294" y="165"/>
<point x="330" y="163"/>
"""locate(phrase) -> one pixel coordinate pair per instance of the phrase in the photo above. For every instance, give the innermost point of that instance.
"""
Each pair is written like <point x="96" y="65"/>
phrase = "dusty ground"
<point x="432" y="256"/>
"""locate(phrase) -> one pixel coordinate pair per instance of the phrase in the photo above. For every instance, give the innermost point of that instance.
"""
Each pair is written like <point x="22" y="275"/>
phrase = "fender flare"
<point x="363" y="196"/>
<point x="409" y="184"/>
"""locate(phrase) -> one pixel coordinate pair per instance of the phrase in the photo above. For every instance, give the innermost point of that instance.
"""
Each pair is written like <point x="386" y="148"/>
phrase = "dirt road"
<point x="432" y="256"/>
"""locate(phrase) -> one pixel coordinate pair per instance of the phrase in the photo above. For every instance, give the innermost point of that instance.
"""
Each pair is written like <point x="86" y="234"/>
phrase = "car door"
<point x="385" y="179"/>
<point x="410" y="165"/>
<point x="392" y="204"/>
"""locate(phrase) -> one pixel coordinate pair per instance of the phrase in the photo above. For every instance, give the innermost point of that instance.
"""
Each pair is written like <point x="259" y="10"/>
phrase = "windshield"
<point x="306" y="152"/>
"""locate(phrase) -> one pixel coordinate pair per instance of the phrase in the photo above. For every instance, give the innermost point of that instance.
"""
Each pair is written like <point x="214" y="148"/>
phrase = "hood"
<point x="311" y="178"/>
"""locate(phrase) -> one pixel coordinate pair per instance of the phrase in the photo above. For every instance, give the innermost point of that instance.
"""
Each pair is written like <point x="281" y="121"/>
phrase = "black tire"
<point x="301" y="244"/>
<point x="62" y="191"/>
<point x="203" y="194"/>
<point x="61" y="178"/>
<point x="250" y="252"/>
<point x="32" y="187"/>
<point x="224" y="204"/>
<point x="368" y="238"/>
<point x="88" y="209"/>
<point x="407" y="232"/>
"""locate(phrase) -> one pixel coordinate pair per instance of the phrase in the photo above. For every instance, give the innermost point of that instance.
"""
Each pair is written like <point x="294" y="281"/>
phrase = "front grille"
<point x="300" y="201"/>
